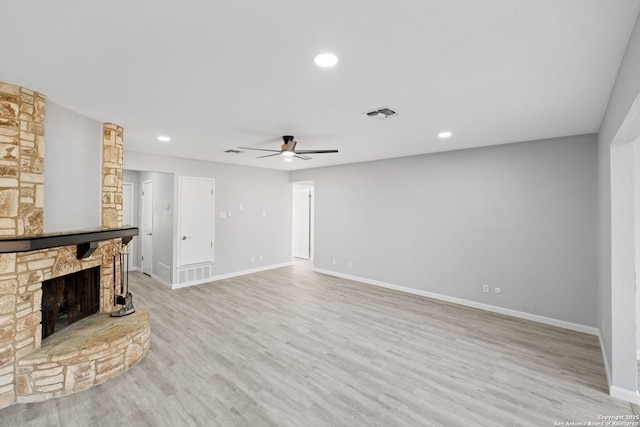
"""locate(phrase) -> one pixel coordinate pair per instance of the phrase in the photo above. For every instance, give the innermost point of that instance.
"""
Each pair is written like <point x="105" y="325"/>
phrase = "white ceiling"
<point x="214" y="75"/>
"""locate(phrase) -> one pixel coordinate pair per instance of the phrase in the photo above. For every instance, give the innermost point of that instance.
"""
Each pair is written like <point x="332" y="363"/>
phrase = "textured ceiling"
<point x="215" y="75"/>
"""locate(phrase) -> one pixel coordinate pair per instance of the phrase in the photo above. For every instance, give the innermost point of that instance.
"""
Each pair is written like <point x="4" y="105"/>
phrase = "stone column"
<point x="111" y="175"/>
<point x="111" y="208"/>
<point x="22" y="113"/>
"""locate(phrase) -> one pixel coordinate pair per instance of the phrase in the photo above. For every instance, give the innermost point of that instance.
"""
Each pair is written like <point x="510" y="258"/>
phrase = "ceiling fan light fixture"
<point x="163" y="138"/>
<point x="445" y="134"/>
<point x="325" y="60"/>
<point x="288" y="150"/>
<point x="288" y="159"/>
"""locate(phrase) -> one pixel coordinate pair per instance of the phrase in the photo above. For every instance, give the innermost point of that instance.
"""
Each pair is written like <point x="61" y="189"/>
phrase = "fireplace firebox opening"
<point x="69" y="298"/>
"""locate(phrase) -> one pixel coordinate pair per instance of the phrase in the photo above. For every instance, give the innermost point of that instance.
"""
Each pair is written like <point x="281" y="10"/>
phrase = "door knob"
<point x="186" y="237"/>
<point x="148" y="234"/>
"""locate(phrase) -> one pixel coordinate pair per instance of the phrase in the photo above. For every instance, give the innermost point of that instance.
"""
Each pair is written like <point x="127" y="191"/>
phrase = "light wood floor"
<point x="290" y="347"/>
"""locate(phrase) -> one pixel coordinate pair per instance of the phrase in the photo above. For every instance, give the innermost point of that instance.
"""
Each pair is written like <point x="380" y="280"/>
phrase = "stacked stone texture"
<point x="22" y="113"/>
<point x="31" y="370"/>
<point x="86" y="353"/>
<point x="112" y="144"/>
<point x="111" y="175"/>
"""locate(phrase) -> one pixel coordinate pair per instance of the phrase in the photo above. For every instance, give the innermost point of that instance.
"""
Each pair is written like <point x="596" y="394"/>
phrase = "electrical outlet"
<point x="498" y="290"/>
<point x="334" y="261"/>
<point x="253" y="259"/>
<point x="350" y="264"/>
<point x="260" y="257"/>
<point x="485" y="289"/>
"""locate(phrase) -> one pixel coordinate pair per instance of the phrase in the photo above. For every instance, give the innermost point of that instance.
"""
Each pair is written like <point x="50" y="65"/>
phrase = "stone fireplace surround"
<point x="94" y="349"/>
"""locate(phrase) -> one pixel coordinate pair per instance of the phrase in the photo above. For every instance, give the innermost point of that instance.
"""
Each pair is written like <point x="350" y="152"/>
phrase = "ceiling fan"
<point x="288" y="149"/>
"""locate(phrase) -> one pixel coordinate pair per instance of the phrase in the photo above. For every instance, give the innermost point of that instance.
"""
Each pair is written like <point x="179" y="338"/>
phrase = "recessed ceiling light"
<point x="325" y="60"/>
<point x="288" y="159"/>
<point x="162" y="138"/>
<point x="445" y="134"/>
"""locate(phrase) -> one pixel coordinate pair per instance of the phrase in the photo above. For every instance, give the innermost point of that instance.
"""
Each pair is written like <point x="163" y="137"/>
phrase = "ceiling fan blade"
<point x="268" y="155"/>
<point x="302" y="157"/>
<point x="260" y="149"/>
<point x="315" y="151"/>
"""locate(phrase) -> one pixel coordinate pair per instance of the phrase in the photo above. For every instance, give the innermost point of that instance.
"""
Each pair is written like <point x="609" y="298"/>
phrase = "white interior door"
<point x="128" y="219"/>
<point x="301" y="220"/>
<point x="196" y="198"/>
<point x="147" y="227"/>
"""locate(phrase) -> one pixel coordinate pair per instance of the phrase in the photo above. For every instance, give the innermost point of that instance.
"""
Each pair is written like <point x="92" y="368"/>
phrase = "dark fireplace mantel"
<point x="85" y="240"/>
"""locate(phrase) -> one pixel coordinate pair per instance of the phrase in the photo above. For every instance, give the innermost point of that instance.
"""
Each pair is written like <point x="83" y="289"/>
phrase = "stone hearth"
<point x="86" y="353"/>
<point x="95" y="348"/>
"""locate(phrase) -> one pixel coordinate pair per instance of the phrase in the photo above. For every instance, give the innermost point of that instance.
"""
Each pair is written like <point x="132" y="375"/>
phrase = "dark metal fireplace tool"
<point x="125" y="299"/>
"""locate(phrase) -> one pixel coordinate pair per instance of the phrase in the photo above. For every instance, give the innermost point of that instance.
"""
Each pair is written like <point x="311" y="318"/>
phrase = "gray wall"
<point x="247" y="233"/>
<point x="616" y="312"/>
<point x="519" y="216"/>
<point x="72" y="170"/>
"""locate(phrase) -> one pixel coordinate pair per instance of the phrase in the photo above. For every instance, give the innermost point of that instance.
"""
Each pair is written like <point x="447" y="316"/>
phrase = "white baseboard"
<point x="230" y="275"/>
<point x="607" y="368"/>
<point x="631" y="396"/>
<point x="624" y="394"/>
<point x="486" y="307"/>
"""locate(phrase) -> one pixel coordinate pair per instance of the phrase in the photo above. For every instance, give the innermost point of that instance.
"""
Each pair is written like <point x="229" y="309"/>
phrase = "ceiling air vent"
<point x="381" y="113"/>
<point x="233" y="151"/>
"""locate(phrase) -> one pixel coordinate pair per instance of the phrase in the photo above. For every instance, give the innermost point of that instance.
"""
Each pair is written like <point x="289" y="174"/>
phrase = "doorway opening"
<point x="148" y="203"/>
<point x="128" y="220"/>
<point x="303" y="219"/>
<point x="147" y="228"/>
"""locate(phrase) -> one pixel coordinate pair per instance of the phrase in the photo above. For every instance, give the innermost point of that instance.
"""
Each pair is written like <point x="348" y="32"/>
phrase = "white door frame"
<point x="146" y="263"/>
<point x="311" y="186"/>
<point x="130" y="187"/>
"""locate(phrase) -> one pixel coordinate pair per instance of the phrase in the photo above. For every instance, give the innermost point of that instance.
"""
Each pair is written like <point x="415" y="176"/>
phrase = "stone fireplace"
<point x="95" y="348"/>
